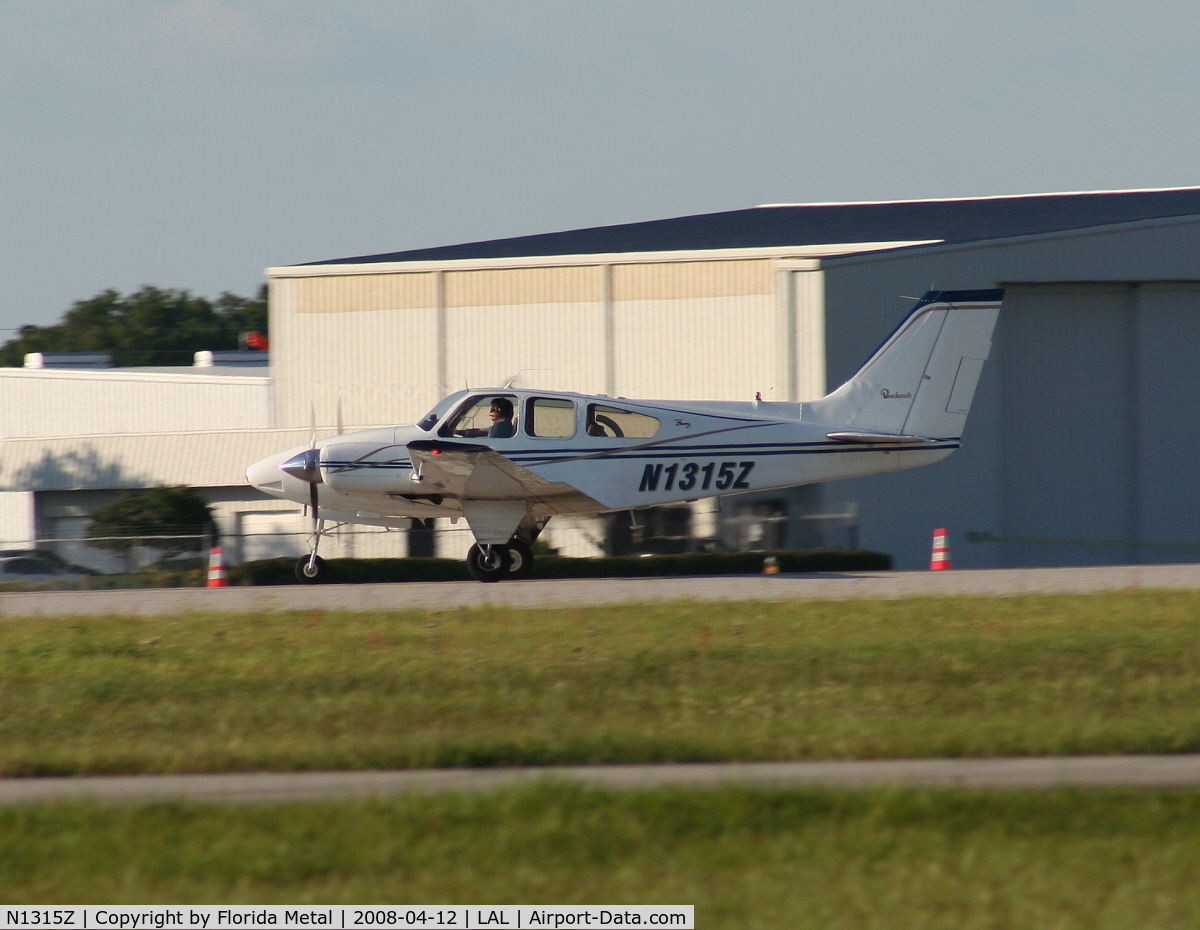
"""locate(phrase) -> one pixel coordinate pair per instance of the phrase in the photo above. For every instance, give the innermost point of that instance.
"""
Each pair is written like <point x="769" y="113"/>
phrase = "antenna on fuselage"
<point x="513" y="378"/>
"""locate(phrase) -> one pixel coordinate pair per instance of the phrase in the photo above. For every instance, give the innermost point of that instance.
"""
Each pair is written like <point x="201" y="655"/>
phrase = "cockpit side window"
<point x="550" y="417"/>
<point x="490" y="416"/>
<point x="613" y="422"/>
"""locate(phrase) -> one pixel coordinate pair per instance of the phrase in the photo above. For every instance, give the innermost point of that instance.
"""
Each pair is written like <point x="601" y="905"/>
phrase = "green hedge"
<point x="362" y="571"/>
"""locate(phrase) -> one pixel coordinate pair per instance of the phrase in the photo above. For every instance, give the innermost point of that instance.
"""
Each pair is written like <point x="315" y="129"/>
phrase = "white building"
<point x="1077" y="433"/>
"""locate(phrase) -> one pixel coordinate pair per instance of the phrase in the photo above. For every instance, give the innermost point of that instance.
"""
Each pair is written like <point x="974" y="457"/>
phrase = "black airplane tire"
<point x="318" y="572"/>
<point x="493" y="566"/>
<point x="521" y="557"/>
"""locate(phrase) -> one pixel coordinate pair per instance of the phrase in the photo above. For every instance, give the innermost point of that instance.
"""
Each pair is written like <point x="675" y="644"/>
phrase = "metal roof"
<point x="162" y="374"/>
<point x="200" y="458"/>
<point x="215" y="371"/>
<point x="775" y="225"/>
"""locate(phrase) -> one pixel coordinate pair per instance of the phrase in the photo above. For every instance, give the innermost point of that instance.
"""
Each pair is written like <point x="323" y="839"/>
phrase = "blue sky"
<point x="192" y="143"/>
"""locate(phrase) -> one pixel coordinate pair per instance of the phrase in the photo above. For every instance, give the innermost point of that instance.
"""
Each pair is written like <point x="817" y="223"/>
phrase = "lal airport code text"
<point x="285" y="917"/>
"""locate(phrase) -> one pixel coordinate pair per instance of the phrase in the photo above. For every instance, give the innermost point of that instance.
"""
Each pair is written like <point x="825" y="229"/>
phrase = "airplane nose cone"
<point x="266" y="476"/>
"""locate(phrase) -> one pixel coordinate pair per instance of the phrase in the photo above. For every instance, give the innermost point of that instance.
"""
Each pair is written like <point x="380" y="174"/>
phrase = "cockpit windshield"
<point x="430" y="420"/>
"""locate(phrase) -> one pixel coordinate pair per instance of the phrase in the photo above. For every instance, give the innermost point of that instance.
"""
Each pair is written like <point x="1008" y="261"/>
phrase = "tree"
<point x="161" y="511"/>
<point x="151" y="326"/>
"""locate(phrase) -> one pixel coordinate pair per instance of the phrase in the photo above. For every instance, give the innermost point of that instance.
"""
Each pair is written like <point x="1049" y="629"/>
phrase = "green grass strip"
<point x="800" y="858"/>
<point x="662" y="682"/>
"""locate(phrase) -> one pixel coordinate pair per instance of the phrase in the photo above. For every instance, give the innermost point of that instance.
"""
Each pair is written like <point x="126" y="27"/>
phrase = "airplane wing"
<point x="469" y="471"/>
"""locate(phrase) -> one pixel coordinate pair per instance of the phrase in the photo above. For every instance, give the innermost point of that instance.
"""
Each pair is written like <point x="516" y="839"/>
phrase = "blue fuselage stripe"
<point x="539" y="457"/>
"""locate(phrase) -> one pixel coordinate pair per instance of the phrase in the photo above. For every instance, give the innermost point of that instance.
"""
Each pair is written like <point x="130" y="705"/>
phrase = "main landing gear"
<point x="486" y="562"/>
<point x="495" y="562"/>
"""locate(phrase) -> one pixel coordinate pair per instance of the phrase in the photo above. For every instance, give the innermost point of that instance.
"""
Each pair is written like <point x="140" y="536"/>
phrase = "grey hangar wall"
<point x="1082" y="429"/>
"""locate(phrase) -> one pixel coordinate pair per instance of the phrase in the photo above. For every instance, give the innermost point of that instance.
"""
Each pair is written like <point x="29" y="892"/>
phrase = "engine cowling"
<point x="359" y="467"/>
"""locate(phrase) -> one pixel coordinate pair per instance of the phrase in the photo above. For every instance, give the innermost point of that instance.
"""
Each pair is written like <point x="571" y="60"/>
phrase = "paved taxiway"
<point x="575" y="592"/>
<point x="1182" y="771"/>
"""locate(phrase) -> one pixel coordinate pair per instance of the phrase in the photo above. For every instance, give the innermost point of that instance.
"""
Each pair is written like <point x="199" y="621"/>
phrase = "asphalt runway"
<point x="1182" y="771"/>
<point x="578" y="592"/>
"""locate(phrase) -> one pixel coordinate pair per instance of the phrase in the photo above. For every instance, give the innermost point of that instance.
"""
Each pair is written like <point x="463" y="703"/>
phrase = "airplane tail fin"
<point x="921" y="380"/>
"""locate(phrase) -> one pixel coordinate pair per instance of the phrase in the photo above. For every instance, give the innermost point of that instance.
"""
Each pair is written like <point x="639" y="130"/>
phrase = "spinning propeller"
<point x="307" y="467"/>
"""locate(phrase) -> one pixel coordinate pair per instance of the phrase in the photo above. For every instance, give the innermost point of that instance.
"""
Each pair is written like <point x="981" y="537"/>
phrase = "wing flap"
<point x="470" y="471"/>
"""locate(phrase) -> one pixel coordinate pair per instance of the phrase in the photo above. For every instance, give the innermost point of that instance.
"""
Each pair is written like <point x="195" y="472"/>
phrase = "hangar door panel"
<point x="698" y="349"/>
<point x="696" y="330"/>
<point x="1067" y="393"/>
<point x="370" y="339"/>
<point x="1167" y="423"/>
<point x="545" y="324"/>
<point x="551" y="346"/>
<point x="381" y="363"/>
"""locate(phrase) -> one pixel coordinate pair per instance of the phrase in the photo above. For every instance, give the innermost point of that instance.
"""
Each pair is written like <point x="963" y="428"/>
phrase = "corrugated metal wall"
<point x="545" y="323"/>
<point x="372" y="339"/>
<point x="216" y="458"/>
<point x="696" y="330"/>
<point x="356" y="293"/>
<point x="805" y="363"/>
<point x="79" y="403"/>
<point x="18" y="517"/>
<point x="393" y="343"/>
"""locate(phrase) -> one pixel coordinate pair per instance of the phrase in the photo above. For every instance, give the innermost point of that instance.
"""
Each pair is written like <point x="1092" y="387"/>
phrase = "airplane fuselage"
<point x="696" y="451"/>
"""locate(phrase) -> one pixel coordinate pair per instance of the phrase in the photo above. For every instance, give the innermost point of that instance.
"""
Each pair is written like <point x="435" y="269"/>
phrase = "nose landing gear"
<point x="311" y="570"/>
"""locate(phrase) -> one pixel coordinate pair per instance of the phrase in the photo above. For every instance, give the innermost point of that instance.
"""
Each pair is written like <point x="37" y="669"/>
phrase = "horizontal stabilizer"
<point x="876" y="437"/>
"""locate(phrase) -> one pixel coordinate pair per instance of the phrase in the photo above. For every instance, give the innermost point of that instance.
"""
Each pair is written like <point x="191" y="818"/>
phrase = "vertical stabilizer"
<point x="920" y="382"/>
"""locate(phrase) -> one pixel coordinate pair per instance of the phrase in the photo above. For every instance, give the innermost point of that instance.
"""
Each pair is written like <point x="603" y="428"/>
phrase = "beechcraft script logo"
<point x="889" y="395"/>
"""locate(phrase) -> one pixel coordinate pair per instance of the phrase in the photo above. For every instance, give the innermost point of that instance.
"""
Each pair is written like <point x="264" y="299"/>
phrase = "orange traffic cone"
<point x="940" y="559"/>
<point x="216" y="569"/>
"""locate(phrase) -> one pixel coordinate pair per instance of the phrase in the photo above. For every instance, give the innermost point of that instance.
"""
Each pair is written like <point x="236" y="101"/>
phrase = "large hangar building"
<point x="1078" y="449"/>
<point x="1080" y="430"/>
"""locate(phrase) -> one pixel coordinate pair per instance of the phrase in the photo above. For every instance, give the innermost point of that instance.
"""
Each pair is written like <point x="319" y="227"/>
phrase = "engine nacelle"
<point x="373" y="468"/>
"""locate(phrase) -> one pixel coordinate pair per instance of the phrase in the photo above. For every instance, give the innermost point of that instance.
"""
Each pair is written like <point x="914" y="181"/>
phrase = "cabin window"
<point x="474" y="419"/>
<point x="550" y="417"/>
<point x="603" y="420"/>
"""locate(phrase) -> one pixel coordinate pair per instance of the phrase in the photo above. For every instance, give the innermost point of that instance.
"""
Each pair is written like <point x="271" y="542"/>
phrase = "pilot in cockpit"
<point x="501" y="415"/>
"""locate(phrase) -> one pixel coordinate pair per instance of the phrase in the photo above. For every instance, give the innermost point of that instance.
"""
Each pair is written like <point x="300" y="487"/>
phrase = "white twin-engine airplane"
<point x="508" y="460"/>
